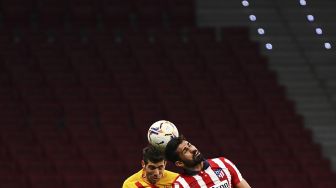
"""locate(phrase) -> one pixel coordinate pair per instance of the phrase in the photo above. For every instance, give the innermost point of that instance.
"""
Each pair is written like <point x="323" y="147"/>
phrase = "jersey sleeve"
<point x="235" y="174"/>
<point x="126" y="185"/>
<point x="136" y="184"/>
<point x="132" y="181"/>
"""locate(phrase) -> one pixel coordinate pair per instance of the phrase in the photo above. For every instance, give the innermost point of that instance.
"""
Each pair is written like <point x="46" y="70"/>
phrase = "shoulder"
<point x="171" y="174"/>
<point x="132" y="179"/>
<point x="221" y="160"/>
<point x="128" y="184"/>
<point x="169" y="177"/>
<point x="134" y="184"/>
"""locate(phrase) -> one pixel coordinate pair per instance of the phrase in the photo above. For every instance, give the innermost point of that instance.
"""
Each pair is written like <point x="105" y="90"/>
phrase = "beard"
<point x="197" y="159"/>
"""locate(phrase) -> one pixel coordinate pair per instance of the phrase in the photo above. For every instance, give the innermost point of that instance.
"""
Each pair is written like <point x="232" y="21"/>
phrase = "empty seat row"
<point x="79" y="108"/>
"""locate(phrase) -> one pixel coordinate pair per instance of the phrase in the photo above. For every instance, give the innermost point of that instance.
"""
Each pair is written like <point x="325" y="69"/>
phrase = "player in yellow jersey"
<point x="153" y="173"/>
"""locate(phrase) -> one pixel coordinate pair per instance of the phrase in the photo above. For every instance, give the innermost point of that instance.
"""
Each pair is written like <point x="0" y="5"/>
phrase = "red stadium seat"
<point x="325" y="184"/>
<point x="43" y="180"/>
<point x="17" y="181"/>
<point x="150" y="13"/>
<point x="262" y="180"/>
<point x="17" y="13"/>
<point x="81" y="181"/>
<point x="113" y="180"/>
<point x="83" y="13"/>
<point x="116" y="14"/>
<point x="37" y="167"/>
<point x="51" y="13"/>
<point x="181" y="13"/>
<point x="8" y="167"/>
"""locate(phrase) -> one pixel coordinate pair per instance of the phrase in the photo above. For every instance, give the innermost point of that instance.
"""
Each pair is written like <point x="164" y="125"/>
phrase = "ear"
<point x="143" y="164"/>
<point x="179" y="164"/>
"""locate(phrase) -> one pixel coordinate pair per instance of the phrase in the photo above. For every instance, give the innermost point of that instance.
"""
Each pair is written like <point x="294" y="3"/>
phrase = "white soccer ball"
<point x="160" y="133"/>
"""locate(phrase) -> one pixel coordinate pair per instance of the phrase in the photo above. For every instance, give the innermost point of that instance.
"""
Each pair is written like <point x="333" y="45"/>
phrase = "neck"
<point x="197" y="168"/>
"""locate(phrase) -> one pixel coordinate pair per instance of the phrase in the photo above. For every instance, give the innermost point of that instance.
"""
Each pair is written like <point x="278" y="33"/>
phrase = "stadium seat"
<point x="83" y="13"/>
<point x="149" y="13"/>
<point x="116" y="14"/>
<point x="81" y="181"/>
<point x="13" y="181"/>
<point x="181" y="14"/>
<point x="36" y="167"/>
<point x="8" y="167"/>
<point x="51" y="13"/>
<point x="44" y="180"/>
<point x="17" y="13"/>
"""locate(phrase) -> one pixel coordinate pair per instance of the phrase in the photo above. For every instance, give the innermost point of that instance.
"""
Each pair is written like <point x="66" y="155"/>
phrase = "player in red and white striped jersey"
<point x="200" y="172"/>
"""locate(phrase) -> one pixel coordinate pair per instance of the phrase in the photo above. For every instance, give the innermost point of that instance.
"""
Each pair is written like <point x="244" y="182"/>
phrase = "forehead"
<point x="183" y="144"/>
<point x="156" y="164"/>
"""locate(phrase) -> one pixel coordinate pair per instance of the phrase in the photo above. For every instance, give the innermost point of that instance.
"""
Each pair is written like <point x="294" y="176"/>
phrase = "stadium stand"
<point x="81" y="81"/>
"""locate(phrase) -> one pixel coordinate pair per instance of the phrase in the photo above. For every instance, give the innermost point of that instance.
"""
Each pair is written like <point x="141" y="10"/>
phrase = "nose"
<point x="156" y="172"/>
<point x="192" y="148"/>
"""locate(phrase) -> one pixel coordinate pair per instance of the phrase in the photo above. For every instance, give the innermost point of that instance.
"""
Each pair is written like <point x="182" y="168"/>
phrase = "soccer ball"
<point x="160" y="133"/>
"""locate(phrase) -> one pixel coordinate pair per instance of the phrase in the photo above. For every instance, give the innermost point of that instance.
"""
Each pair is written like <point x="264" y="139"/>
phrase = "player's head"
<point x="182" y="153"/>
<point x="153" y="164"/>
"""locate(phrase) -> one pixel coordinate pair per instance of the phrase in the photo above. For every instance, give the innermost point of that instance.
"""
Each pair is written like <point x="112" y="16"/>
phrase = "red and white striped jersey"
<point x="216" y="173"/>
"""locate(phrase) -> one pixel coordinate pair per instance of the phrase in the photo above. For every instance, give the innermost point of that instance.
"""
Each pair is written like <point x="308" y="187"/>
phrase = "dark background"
<point x="82" y="81"/>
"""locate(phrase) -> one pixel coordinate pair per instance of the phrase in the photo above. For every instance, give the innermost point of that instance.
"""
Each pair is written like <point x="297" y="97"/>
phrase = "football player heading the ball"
<point x="199" y="172"/>
<point x="153" y="173"/>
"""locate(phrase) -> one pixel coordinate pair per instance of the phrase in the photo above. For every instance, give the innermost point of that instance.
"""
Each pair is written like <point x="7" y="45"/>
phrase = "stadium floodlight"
<point x="303" y="2"/>
<point x="253" y="18"/>
<point x="261" y="31"/>
<point x="245" y="3"/>
<point x="269" y="46"/>
<point x="327" y="45"/>
<point x="319" y="31"/>
<point x="310" y="18"/>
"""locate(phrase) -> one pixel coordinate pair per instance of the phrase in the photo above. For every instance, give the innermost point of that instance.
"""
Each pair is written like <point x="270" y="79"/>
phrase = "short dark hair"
<point x="170" y="151"/>
<point x="150" y="153"/>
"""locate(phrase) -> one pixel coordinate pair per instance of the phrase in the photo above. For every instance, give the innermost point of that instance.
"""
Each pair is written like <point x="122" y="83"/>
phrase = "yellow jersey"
<point x="137" y="180"/>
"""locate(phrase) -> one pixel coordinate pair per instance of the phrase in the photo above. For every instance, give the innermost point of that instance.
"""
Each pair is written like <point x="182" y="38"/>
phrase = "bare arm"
<point x="243" y="184"/>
